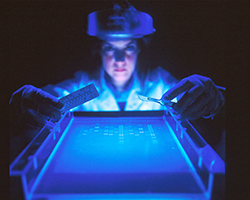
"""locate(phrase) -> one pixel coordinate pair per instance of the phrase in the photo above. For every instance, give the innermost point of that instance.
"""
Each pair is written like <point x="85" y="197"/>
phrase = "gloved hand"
<point x="31" y="107"/>
<point x="201" y="98"/>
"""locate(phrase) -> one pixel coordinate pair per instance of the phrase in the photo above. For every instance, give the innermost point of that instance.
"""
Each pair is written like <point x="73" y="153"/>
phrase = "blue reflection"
<point x="113" y="155"/>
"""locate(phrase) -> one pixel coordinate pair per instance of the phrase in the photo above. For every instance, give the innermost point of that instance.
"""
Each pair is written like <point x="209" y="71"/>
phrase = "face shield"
<point x="119" y="23"/>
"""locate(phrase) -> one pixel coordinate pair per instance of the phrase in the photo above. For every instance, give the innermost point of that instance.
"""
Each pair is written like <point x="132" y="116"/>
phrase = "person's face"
<point x="119" y="60"/>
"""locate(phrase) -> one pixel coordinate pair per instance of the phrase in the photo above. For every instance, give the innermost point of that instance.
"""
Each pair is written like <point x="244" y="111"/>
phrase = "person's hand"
<point x="31" y="107"/>
<point x="201" y="98"/>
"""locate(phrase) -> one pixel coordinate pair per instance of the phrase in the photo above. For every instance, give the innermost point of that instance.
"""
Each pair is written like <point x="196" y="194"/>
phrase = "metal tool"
<point x="160" y="101"/>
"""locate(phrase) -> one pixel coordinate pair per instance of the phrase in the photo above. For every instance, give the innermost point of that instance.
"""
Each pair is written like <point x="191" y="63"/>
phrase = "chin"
<point x="121" y="80"/>
<point x="121" y="77"/>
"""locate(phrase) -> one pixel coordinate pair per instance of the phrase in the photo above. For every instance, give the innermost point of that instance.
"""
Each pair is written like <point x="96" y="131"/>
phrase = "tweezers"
<point x="160" y="101"/>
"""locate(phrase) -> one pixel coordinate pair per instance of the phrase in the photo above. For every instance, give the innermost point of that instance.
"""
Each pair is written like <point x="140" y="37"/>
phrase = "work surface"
<point x="109" y="157"/>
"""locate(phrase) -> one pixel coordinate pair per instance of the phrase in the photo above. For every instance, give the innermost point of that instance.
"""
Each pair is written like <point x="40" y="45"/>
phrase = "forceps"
<point x="169" y="103"/>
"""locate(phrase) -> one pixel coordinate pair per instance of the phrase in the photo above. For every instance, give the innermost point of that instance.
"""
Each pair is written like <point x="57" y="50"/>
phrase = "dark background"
<point x="47" y="40"/>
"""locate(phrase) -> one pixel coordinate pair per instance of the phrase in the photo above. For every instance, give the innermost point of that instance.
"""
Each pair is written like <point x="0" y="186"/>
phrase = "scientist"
<point x="121" y="34"/>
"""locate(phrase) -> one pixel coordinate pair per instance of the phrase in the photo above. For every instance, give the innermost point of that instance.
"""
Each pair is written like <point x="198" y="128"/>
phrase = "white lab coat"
<point x="155" y="85"/>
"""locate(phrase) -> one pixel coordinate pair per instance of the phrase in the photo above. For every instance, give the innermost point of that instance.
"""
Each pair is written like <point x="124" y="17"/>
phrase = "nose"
<point x="119" y="55"/>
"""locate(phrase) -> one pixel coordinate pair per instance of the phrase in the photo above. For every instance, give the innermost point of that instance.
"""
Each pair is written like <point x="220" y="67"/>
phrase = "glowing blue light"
<point x="98" y="25"/>
<point x="100" y="156"/>
<point x="175" y="100"/>
<point x="120" y="35"/>
<point x="87" y="150"/>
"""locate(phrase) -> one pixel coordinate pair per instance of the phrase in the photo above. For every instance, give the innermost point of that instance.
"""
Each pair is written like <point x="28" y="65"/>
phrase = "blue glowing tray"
<point x="117" y="155"/>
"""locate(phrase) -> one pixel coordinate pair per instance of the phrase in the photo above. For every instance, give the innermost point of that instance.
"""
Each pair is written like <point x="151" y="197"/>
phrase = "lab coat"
<point x="155" y="84"/>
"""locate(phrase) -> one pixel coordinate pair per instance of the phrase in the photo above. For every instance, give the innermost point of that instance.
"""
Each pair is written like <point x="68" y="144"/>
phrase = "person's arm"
<point x="30" y="108"/>
<point x="200" y="97"/>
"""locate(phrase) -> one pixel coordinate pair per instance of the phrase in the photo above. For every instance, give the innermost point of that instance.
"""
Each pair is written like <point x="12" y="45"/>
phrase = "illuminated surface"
<point x="119" y="145"/>
<point x="119" y="155"/>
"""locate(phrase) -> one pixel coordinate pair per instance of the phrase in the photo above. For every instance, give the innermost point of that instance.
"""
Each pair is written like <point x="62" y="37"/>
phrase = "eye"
<point x="107" y="48"/>
<point x="130" y="48"/>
